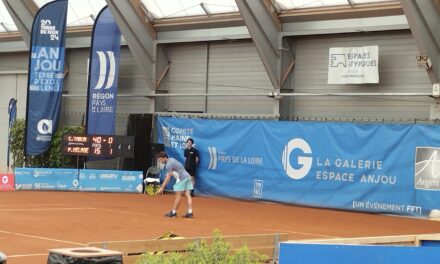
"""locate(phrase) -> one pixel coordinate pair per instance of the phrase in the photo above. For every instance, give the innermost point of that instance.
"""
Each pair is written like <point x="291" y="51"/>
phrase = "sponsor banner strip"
<point x="7" y="182"/>
<point x="46" y="179"/>
<point x="111" y="181"/>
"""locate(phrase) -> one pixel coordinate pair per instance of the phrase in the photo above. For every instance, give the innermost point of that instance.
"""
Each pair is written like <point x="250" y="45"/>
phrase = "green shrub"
<point x="53" y="158"/>
<point x="218" y="252"/>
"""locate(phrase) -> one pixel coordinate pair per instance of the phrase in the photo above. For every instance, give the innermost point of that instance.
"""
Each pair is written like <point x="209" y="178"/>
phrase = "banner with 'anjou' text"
<point x="386" y="168"/>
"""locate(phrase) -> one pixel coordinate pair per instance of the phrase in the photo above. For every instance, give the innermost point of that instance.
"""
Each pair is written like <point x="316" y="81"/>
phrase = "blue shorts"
<point x="183" y="185"/>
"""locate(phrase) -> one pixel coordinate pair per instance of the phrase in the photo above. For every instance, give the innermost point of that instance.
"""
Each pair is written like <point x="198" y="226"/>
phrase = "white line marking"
<point x="121" y="212"/>
<point x="48" y="209"/>
<point x="8" y="204"/>
<point x="43" y="238"/>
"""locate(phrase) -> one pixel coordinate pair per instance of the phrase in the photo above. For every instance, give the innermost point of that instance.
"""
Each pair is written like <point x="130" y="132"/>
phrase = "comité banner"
<point x="46" y="75"/>
<point x="103" y="75"/>
<point x="386" y="168"/>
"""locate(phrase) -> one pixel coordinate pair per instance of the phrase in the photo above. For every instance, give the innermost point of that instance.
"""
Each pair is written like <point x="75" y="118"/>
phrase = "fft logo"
<point x="303" y="162"/>
<point x="45" y="126"/>
<point x="103" y="72"/>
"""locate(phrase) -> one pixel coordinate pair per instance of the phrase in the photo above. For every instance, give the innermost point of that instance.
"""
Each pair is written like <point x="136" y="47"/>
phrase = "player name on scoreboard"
<point x="98" y="145"/>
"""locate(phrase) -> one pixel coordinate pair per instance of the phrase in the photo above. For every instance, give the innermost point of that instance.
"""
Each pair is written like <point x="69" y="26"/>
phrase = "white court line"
<point x="43" y="238"/>
<point x="121" y="212"/>
<point x="39" y="204"/>
<point x="8" y="204"/>
<point x="47" y="209"/>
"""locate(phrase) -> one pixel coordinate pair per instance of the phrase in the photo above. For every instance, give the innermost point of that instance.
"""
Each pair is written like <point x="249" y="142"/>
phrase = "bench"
<point x="267" y="244"/>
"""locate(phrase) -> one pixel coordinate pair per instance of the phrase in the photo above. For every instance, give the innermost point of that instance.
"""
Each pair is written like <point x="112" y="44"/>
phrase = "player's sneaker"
<point x="171" y="214"/>
<point x="188" y="215"/>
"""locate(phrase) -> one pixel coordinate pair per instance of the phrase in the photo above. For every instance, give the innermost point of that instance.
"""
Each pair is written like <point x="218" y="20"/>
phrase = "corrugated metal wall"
<point x="217" y="68"/>
<point x="187" y="75"/>
<point x="398" y="73"/>
<point x="236" y="67"/>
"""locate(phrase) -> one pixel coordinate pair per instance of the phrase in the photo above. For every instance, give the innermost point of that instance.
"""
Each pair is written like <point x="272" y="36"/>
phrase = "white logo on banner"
<point x="213" y="158"/>
<point x="304" y="161"/>
<point x="75" y="183"/>
<point x="353" y="65"/>
<point x="5" y="179"/>
<point x="103" y="69"/>
<point x="258" y="189"/>
<point x="46" y="28"/>
<point x="427" y="168"/>
<point x="44" y="127"/>
<point x="166" y="136"/>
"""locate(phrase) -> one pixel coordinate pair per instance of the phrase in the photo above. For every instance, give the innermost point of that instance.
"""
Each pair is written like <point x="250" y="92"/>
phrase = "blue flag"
<point x="103" y="75"/>
<point x="12" y="111"/>
<point x="46" y="76"/>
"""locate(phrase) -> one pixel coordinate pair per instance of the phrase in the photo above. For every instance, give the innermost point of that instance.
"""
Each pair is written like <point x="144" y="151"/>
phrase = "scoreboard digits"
<point x="98" y="145"/>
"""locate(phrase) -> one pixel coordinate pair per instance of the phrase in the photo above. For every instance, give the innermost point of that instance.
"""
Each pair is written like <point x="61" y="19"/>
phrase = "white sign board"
<point x="353" y="65"/>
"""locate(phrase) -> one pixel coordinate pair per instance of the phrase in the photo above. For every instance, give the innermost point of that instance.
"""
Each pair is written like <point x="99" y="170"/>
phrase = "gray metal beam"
<point x="15" y="43"/>
<point x="304" y="28"/>
<point x="265" y="33"/>
<point x="140" y="37"/>
<point x="424" y="20"/>
<point x="22" y="13"/>
<point x="276" y="52"/>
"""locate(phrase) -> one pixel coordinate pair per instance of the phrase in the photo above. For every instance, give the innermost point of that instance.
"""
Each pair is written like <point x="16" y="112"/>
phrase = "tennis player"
<point x="182" y="186"/>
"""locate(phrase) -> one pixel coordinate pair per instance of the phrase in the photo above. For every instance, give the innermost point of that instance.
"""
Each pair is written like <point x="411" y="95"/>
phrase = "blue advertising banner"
<point x="359" y="254"/>
<point x="46" y="75"/>
<point x="385" y="168"/>
<point x="12" y="111"/>
<point x="111" y="181"/>
<point x="103" y="75"/>
<point x="46" y="179"/>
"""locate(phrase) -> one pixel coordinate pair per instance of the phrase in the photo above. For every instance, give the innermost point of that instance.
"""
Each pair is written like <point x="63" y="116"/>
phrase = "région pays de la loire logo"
<point x="304" y="160"/>
<point x="107" y="69"/>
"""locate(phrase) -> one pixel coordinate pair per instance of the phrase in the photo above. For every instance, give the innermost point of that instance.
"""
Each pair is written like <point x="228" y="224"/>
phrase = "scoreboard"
<point x="98" y="145"/>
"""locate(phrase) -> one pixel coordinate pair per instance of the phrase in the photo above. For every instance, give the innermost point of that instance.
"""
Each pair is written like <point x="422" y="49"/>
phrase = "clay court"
<point x="33" y="222"/>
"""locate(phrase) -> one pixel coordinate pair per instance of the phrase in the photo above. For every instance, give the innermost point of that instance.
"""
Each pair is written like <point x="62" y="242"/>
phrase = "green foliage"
<point x="53" y="158"/>
<point x="56" y="158"/>
<point x="17" y="143"/>
<point x="218" y="252"/>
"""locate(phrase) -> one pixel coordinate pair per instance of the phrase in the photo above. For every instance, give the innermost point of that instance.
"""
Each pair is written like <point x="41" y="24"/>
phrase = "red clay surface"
<point x="33" y="222"/>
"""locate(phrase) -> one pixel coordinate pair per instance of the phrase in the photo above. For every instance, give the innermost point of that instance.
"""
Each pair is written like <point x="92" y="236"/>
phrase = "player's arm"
<point x="165" y="182"/>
